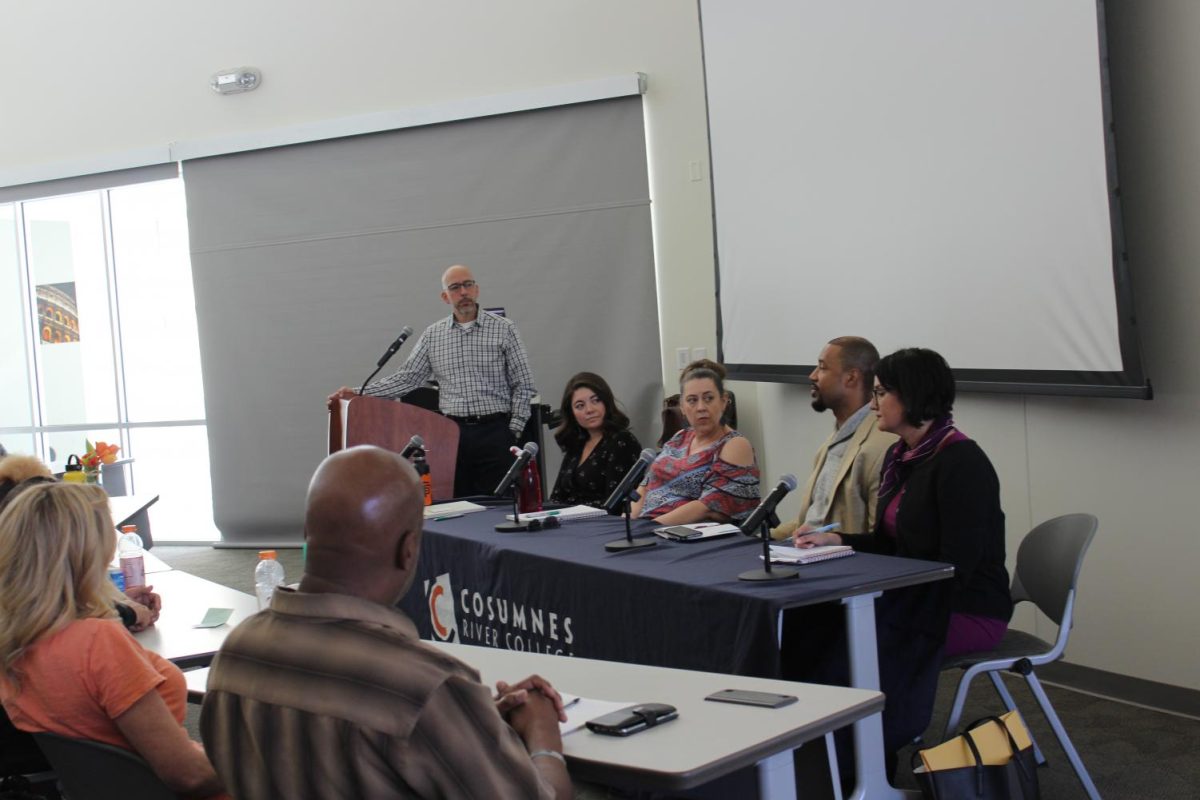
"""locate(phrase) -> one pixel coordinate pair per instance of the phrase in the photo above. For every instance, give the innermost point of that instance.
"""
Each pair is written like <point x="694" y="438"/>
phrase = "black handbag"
<point x="1016" y="779"/>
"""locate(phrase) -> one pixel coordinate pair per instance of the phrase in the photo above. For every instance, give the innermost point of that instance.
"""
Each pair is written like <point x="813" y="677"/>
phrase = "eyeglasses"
<point x="454" y="287"/>
<point x="879" y="392"/>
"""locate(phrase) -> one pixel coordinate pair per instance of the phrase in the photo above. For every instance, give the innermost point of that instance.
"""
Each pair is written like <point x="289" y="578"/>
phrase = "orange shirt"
<point x="76" y="681"/>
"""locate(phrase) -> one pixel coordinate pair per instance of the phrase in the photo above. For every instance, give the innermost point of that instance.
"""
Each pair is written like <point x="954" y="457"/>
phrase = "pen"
<point x="833" y="526"/>
<point x="449" y="516"/>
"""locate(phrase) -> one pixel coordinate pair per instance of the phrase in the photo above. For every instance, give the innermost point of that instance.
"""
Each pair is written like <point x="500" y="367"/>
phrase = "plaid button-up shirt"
<point x="481" y="368"/>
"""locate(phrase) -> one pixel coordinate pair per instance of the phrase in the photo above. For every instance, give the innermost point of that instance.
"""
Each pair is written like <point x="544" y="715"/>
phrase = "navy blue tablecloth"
<point x="678" y="604"/>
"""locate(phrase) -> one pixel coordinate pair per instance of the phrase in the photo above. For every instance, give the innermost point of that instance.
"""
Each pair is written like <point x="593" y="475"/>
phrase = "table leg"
<point x="777" y="777"/>
<point x="870" y="780"/>
<point x="835" y="775"/>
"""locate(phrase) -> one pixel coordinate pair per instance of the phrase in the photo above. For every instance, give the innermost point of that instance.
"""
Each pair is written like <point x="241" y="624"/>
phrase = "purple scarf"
<point x="901" y="459"/>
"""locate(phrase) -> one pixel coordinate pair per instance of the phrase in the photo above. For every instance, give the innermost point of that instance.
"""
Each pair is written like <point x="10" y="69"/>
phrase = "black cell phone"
<point x="682" y="533"/>
<point x="634" y="719"/>
<point x="744" y="697"/>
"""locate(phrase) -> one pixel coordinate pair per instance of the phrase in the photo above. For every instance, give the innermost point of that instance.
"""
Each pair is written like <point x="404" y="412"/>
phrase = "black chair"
<point x="19" y="753"/>
<point x="95" y="771"/>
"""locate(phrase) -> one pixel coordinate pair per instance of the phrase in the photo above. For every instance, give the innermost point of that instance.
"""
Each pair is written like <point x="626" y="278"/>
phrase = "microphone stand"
<point x="516" y="526"/>
<point x="766" y="573"/>
<point x="629" y="543"/>
<point x="363" y="388"/>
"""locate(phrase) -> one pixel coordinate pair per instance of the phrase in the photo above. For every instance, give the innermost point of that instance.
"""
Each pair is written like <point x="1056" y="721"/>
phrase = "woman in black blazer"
<point x="598" y="448"/>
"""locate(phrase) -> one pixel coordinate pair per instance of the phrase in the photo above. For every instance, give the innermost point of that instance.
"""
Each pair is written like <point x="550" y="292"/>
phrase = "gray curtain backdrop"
<point x="308" y="259"/>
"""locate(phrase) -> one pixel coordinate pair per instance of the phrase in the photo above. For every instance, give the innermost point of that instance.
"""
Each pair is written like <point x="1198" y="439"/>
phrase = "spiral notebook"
<point x="782" y="554"/>
<point x="563" y="514"/>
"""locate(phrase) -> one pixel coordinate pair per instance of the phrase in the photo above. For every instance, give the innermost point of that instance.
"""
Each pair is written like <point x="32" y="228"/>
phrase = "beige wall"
<point x="90" y="79"/>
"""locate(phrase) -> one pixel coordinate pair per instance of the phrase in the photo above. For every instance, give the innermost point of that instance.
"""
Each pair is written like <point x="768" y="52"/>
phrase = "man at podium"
<point x="485" y="383"/>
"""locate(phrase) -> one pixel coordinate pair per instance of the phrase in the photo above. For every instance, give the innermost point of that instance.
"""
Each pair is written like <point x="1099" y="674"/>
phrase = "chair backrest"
<point x="100" y="771"/>
<point x="1049" y="560"/>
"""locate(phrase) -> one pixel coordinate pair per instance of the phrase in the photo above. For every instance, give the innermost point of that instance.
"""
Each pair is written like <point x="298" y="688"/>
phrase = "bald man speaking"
<point x="484" y="381"/>
<point x="330" y="693"/>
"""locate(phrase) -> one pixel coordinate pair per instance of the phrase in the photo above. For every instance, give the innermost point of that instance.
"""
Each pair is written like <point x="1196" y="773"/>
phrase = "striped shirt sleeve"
<point x="461" y="747"/>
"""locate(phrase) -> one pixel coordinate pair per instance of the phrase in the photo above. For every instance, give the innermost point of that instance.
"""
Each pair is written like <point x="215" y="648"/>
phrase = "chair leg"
<point x="1035" y="686"/>
<point x="1002" y="690"/>
<point x="960" y="699"/>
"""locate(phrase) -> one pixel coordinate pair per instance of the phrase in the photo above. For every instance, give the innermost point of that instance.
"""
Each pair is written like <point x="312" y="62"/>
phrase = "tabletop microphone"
<point x="405" y="332"/>
<point x="415" y="445"/>
<point x="766" y="509"/>
<point x="632" y="478"/>
<point x="529" y="451"/>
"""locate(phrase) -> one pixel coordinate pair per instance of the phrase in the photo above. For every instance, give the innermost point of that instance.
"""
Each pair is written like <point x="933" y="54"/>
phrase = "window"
<point x="98" y="327"/>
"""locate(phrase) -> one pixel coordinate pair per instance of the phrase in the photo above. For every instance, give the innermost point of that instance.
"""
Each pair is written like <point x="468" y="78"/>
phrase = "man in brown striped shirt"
<point x="331" y="694"/>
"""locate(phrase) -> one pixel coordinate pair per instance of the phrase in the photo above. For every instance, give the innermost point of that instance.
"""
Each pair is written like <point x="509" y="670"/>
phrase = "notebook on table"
<point x="783" y="554"/>
<point x="563" y="514"/>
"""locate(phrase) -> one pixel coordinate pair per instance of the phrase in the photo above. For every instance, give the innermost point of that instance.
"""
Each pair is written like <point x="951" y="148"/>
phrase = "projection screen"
<point x="924" y="173"/>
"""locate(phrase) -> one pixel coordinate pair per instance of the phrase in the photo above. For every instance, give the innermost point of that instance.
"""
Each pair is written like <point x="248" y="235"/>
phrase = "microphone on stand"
<point x="766" y="509"/>
<point x="632" y="478"/>
<point x="510" y="478"/>
<point x="529" y="451"/>
<point x="405" y="332"/>
<point x="620" y="500"/>
<point x="415" y="445"/>
<point x="764" y="519"/>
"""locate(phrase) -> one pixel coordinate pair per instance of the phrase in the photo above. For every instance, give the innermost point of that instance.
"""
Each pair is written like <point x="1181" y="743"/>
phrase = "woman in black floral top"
<point x="598" y="448"/>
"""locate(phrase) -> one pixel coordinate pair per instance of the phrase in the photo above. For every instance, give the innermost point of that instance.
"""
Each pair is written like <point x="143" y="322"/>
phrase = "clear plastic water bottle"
<point x="268" y="573"/>
<point x="133" y="565"/>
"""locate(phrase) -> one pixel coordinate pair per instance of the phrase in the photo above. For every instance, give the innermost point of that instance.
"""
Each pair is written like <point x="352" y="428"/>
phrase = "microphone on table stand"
<point x="509" y="482"/>
<point x="764" y="518"/>
<point x="620" y="501"/>
<point x="415" y="445"/>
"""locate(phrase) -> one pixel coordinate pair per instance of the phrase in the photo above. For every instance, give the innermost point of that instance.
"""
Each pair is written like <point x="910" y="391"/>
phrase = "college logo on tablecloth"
<point x="440" y="600"/>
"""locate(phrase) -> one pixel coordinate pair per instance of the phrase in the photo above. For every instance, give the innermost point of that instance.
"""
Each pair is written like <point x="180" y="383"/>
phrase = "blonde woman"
<point x="67" y="665"/>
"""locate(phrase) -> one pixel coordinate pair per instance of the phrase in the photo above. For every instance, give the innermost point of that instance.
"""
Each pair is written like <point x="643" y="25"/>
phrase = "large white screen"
<point x="925" y="172"/>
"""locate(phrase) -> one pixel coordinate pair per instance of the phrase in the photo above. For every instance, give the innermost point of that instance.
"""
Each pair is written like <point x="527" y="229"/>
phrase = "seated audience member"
<point x="16" y="469"/>
<point x="67" y="666"/>
<point x="598" y="448"/>
<point x="140" y="607"/>
<point x="940" y="499"/>
<point x="330" y="693"/>
<point x="706" y="471"/>
<point x="844" y="483"/>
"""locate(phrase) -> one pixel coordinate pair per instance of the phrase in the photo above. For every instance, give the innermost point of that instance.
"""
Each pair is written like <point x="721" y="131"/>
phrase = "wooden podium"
<point x="389" y="424"/>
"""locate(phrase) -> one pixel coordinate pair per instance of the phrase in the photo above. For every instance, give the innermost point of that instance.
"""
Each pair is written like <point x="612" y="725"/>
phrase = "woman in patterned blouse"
<point x="705" y="472"/>
<point x="598" y="448"/>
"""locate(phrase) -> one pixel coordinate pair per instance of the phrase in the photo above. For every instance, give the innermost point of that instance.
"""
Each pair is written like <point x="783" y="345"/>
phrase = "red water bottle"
<point x="529" y="488"/>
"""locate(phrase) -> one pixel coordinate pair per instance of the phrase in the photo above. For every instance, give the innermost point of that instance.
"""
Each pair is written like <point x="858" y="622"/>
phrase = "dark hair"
<point x="922" y="380"/>
<point x="858" y="353"/>
<point x="570" y="433"/>
<point x="703" y="363"/>
<point x="9" y="489"/>
<point x="694" y="373"/>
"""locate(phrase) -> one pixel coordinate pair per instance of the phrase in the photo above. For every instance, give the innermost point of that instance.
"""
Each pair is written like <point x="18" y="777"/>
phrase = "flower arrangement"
<point x="97" y="454"/>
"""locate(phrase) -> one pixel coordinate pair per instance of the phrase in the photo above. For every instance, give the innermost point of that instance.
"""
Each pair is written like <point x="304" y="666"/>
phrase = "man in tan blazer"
<point x="844" y="484"/>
